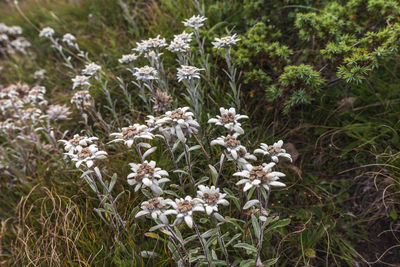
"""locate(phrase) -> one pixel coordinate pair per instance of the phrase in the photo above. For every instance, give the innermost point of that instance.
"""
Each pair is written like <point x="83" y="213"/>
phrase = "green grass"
<point x="343" y="190"/>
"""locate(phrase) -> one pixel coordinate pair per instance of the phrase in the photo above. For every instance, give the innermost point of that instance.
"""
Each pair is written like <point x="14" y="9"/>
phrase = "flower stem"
<point x="138" y="151"/>
<point x="99" y="197"/>
<point x="187" y="157"/>
<point x="202" y="243"/>
<point x="261" y="237"/>
<point x="173" y="158"/>
<point x="222" y="242"/>
<point x="110" y="197"/>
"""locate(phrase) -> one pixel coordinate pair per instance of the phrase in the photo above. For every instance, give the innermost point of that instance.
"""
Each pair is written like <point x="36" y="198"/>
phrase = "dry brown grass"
<point x="51" y="239"/>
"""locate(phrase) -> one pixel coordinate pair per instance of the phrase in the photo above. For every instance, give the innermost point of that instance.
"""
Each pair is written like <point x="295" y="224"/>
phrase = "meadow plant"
<point x="183" y="200"/>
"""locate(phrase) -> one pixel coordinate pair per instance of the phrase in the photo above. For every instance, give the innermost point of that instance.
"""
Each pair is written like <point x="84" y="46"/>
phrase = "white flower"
<point x="147" y="175"/>
<point x="179" y="122"/>
<point x="87" y="155"/>
<point x="259" y="175"/>
<point x="6" y="126"/>
<point x="179" y="46"/>
<point x="234" y="150"/>
<point x="188" y="73"/>
<point x="229" y="119"/>
<point x="39" y="74"/>
<point x="69" y="39"/>
<point x="184" y="208"/>
<point x="80" y="80"/>
<point x="10" y="104"/>
<point x="152" y="44"/>
<point x="46" y="32"/>
<point x="129" y="134"/>
<point x="275" y="151"/>
<point x="3" y="37"/>
<point x="36" y="96"/>
<point x="58" y="112"/>
<point x="225" y="42"/>
<point x="155" y="43"/>
<point x="156" y="208"/>
<point x="231" y="144"/>
<point x="14" y="30"/>
<point x="20" y="44"/>
<point x="32" y="114"/>
<point x="151" y="122"/>
<point x="195" y="22"/>
<point x="127" y="58"/>
<point x="184" y="36"/>
<point x="146" y="73"/>
<point x="77" y="143"/>
<point x="210" y="197"/>
<point x="82" y="99"/>
<point x="9" y="92"/>
<point x="91" y="69"/>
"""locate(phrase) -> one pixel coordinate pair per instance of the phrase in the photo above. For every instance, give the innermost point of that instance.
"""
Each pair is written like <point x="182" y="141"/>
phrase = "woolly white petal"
<point x="189" y="221"/>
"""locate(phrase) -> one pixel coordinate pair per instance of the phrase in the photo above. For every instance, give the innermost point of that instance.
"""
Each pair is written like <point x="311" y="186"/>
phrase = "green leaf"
<point x="247" y="263"/>
<point x="247" y="247"/>
<point x="271" y="262"/>
<point x="113" y="181"/>
<point x="256" y="226"/>
<point x="278" y="224"/>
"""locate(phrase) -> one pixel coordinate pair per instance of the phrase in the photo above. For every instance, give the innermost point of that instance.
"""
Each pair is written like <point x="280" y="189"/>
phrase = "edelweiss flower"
<point x="180" y="122"/>
<point x="36" y="96"/>
<point x="210" y="197"/>
<point x="275" y="151"/>
<point x="231" y="144"/>
<point x="127" y="58"/>
<point x="7" y="126"/>
<point x="195" y="22"/>
<point x="129" y="134"/>
<point x="80" y="80"/>
<point x="186" y="37"/>
<point x="229" y="119"/>
<point x="9" y="92"/>
<point x="39" y="74"/>
<point x="151" y="122"/>
<point x="91" y="69"/>
<point x="146" y="73"/>
<point x="8" y="104"/>
<point x="147" y="175"/>
<point x="162" y="101"/>
<point x="77" y="143"/>
<point x="3" y="37"/>
<point x="20" y="44"/>
<point x="259" y="175"/>
<point x="87" y="155"/>
<point x="184" y="208"/>
<point x="69" y="39"/>
<point x="32" y="114"/>
<point x="46" y="32"/>
<point x="38" y="89"/>
<point x="156" y="208"/>
<point x="14" y="30"/>
<point x="155" y="43"/>
<point x="152" y="44"/>
<point x="58" y="112"/>
<point x="188" y="73"/>
<point x="179" y="46"/>
<point x="225" y="42"/>
<point x="82" y="99"/>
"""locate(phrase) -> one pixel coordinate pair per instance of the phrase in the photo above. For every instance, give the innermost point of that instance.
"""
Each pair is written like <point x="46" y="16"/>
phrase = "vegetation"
<point x="321" y="75"/>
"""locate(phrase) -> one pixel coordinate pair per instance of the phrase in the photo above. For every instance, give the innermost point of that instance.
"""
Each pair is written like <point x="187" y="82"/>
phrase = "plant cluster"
<point x="334" y="43"/>
<point x="12" y="41"/>
<point x="174" y="194"/>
